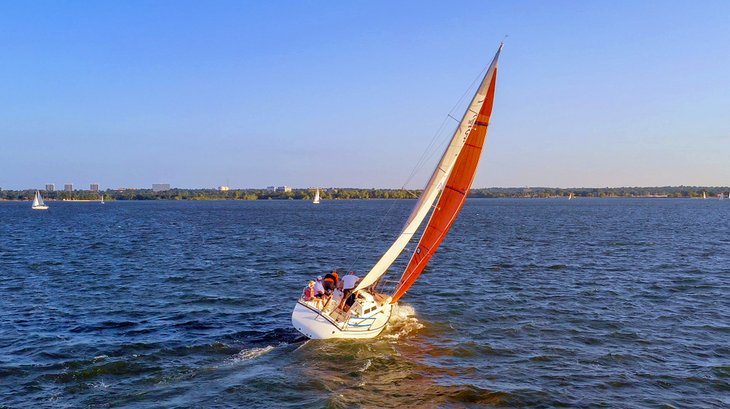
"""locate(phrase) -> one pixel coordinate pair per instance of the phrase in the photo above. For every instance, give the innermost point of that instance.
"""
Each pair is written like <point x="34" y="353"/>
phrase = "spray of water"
<point x="402" y="322"/>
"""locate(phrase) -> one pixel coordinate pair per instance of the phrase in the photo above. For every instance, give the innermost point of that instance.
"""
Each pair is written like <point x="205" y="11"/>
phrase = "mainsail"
<point x="455" y="172"/>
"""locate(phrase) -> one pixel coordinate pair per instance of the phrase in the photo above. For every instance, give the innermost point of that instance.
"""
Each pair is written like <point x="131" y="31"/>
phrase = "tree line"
<point x="356" y="193"/>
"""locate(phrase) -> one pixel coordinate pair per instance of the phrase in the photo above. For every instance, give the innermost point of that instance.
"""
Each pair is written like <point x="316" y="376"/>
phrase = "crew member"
<point x="348" y="284"/>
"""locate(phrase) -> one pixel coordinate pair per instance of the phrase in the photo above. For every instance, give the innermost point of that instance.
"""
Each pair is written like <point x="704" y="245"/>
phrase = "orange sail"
<point x="452" y="199"/>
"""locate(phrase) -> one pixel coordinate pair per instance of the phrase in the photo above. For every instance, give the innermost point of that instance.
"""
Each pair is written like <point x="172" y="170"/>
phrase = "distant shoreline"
<point x="663" y="192"/>
<point x="344" y="200"/>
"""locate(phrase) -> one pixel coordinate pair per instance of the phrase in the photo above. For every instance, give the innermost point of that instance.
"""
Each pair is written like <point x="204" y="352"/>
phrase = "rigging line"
<point x="425" y="156"/>
<point x="468" y="90"/>
<point x="420" y="161"/>
<point x="372" y="234"/>
<point x="477" y="78"/>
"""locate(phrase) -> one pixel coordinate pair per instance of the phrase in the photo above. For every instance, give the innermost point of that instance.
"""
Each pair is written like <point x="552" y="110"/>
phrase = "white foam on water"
<point x="366" y="366"/>
<point x="303" y="344"/>
<point x="248" y="354"/>
<point x="98" y="385"/>
<point x="402" y="322"/>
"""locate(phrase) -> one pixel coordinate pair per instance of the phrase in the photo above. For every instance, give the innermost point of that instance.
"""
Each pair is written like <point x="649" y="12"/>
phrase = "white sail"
<point x="316" y="197"/>
<point x="436" y="183"/>
<point x="38" y="202"/>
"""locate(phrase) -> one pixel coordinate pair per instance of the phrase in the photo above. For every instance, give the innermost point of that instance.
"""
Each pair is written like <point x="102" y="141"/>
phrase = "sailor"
<point x="348" y="284"/>
<point x="319" y="292"/>
<point x="330" y="282"/>
<point x="309" y="291"/>
<point x="347" y="302"/>
<point x="318" y="287"/>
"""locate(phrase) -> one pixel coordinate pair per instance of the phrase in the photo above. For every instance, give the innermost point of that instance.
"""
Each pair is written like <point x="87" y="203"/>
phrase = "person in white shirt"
<point x="319" y="291"/>
<point x="348" y="284"/>
<point x="318" y="286"/>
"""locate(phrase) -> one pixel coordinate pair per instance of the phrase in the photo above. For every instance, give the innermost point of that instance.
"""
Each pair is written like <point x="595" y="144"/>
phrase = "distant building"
<point x="160" y="187"/>
<point x="50" y="187"/>
<point x="94" y="187"/>
<point x="271" y="188"/>
<point x="284" y="189"/>
<point x="68" y="187"/>
<point x="224" y="188"/>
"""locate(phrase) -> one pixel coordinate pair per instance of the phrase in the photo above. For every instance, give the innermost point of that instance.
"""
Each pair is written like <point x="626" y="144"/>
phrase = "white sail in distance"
<point x="436" y="183"/>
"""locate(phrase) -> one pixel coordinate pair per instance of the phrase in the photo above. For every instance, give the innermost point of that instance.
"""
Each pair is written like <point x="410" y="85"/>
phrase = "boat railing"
<point x="362" y="322"/>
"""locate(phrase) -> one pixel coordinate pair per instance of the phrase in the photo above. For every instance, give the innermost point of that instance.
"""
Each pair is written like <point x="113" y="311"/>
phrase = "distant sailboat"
<point x="102" y="198"/>
<point x="571" y="196"/>
<point x="443" y="197"/>
<point x="704" y="195"/>
<point x="38" y="202"/>
<point x="316" y="197"/>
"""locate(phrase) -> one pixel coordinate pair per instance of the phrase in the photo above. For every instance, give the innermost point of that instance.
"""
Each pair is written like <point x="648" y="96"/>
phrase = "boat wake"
<point x="402" y="322"/>
<point x="251" y="353"/>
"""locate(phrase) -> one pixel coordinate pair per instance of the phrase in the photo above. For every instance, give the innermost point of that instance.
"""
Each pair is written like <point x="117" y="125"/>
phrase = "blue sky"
<point x="320" y="93"/>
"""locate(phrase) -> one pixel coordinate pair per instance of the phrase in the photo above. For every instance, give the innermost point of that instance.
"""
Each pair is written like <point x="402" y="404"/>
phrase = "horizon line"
<point x="228" y="188"/>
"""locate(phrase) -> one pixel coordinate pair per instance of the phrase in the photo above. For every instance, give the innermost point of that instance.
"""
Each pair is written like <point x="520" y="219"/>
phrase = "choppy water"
<point x="529" y="303"/>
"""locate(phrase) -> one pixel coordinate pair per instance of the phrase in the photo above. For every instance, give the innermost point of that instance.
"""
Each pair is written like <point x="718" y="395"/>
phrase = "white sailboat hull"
<point x="315" y="325"/>
<point x="39" y="207"/>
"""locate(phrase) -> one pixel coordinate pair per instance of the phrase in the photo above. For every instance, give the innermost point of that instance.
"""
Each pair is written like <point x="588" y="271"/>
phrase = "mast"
<point x="471" y="122"/>
<point x="454" y="193"/>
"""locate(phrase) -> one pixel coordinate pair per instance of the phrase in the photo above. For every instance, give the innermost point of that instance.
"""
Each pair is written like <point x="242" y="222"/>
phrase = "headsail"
<point x="470" y="124"/>
<point x="36" y="199"/>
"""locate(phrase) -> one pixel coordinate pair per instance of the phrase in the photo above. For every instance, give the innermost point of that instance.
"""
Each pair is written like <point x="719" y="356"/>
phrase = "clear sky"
<point x="350" y="93"/>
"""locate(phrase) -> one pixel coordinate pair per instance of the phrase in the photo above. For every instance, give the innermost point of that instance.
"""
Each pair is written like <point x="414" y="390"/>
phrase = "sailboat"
<point x="704" y="195"/>
<point x="316" y="197"/>
<point x="571" y="196"/>
<point x="445" y="193"/>
<point x="38" y="202"/>
<point x="102" y="199"/>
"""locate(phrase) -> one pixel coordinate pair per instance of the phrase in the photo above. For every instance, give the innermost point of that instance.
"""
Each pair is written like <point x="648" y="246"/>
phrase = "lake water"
<point x="528" y="303"/>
